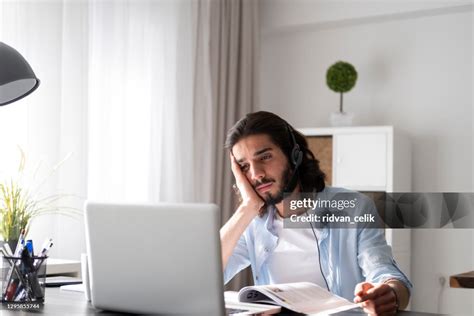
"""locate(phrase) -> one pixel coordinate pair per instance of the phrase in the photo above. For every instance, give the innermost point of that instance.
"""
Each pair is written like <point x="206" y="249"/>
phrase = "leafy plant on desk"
<point x="19" y="206"/>
<point x="16" y="211"/>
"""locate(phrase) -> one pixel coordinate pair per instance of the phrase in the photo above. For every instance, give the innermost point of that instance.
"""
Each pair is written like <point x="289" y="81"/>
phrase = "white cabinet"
<point x="367" y="159"/>
<point x="360" y="161"/>
<point x="375" y="158"/>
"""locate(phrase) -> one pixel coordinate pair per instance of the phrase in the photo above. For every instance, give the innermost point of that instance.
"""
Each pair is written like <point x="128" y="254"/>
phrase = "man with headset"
<point x="269" y="158"/>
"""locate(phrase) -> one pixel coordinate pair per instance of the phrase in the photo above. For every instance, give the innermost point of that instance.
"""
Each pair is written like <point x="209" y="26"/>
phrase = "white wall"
<point x="281" y="15"/>
<point x="415" y="72"/>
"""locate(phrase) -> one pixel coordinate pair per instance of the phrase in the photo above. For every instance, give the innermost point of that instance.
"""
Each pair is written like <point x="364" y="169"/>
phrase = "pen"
<point x="10" y="292"/>
<point x="21" y="241"/>
<point x="10" y="285"/>
<point x="30" y="274"/>
<point x="21" y="296"/>
<point x="44" y="251"/>
<point x="48" y="243"/>
<point x="11" y="280"/>
<point x="8" y="250"/>
<point x="19" y="289"/>
<point x="26" y="263"/>
<point x="29" y="247"/>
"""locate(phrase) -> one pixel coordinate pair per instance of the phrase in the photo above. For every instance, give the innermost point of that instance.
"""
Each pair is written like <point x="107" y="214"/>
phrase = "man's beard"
<point x="285" y="187"/>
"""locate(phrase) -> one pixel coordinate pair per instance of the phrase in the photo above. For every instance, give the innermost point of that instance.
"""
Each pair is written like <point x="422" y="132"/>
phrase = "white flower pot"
<point x="341" y="119"/>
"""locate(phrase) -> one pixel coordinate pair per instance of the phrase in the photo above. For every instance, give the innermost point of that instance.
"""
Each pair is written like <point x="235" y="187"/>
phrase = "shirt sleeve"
<point x="238" y="261"/>
<point x="375" y="256"/>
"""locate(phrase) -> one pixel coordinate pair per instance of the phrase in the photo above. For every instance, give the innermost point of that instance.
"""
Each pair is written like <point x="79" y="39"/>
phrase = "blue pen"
<point x="29" y="247"/>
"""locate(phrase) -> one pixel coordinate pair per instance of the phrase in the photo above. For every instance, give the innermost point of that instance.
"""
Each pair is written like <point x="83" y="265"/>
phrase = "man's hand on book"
<point x="376" y="298"/>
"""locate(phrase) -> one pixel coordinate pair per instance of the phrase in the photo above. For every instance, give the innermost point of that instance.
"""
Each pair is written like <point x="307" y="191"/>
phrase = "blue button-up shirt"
<point x="348" y="255"/>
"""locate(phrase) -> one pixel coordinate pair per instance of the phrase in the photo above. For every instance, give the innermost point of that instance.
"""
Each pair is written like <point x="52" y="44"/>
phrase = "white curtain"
<point x="141" y="100"/>
<point x="141" y="92"/>
<point x="117" y="90"/>
<point x="50" y="123"/>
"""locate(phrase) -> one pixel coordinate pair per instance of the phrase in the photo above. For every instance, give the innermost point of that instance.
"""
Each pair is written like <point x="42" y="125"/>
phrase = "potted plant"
<point x="16" y="211"/>
<point x="341" y="77"/>
<point x="19" y="206"/>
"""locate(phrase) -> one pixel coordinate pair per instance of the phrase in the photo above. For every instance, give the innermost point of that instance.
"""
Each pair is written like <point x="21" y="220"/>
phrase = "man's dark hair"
<point x="310" y="175"/>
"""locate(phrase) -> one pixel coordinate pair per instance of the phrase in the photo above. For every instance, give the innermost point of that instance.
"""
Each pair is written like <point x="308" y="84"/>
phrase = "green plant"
<point x="19" y="206"/>
<point x="341" y="77"/>
<point x="16" y="211"/>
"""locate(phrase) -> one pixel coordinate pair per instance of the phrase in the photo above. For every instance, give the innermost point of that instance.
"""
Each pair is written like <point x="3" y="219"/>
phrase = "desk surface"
<point x="61" y="303"/>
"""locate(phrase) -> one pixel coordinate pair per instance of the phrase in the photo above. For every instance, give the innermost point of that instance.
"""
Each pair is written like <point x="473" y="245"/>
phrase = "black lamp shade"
<point x="17" y="79"/>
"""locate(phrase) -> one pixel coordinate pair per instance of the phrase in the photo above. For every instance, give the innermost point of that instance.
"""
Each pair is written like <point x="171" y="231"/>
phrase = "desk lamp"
<point x="17" y="79"/>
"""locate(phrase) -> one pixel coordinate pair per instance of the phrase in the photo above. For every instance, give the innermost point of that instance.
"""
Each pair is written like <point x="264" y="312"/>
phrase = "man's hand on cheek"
<point x="247" y="193"/>
<point x="376" y="298"/>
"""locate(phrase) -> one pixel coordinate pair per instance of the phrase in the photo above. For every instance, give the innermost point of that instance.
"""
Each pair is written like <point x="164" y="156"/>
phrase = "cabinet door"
<point x="360" y="161"/>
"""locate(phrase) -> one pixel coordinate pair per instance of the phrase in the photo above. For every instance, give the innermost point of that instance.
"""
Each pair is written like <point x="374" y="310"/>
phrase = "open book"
<point x="301" y="297"/>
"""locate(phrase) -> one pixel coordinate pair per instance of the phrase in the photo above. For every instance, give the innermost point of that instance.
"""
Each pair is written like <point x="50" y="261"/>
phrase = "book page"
<point x="302" y="297"/>
<point x="255" y="296"/>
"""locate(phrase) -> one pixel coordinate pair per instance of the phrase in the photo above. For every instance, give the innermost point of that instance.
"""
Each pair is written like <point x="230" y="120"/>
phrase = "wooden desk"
<point x="463" y="280"/>
<point x="60" y="302"/>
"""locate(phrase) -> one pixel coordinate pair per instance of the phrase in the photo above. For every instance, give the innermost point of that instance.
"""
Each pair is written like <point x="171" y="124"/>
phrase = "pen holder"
<point x="23" y="279"/>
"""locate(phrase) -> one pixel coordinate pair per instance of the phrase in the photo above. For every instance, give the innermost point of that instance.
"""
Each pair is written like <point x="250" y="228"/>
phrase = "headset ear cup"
<point x="296" y="156"/>
<point x="296" y="153"/>
<point x="299" y="158"/>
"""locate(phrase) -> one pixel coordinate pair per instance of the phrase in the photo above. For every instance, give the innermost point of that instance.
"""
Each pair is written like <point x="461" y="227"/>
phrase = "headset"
<point x="296" y="154"/>
<point x="296" y="158"/>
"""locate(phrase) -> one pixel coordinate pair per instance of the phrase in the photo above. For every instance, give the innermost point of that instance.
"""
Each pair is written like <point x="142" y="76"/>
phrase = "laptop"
<point x="158" y="259"/>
